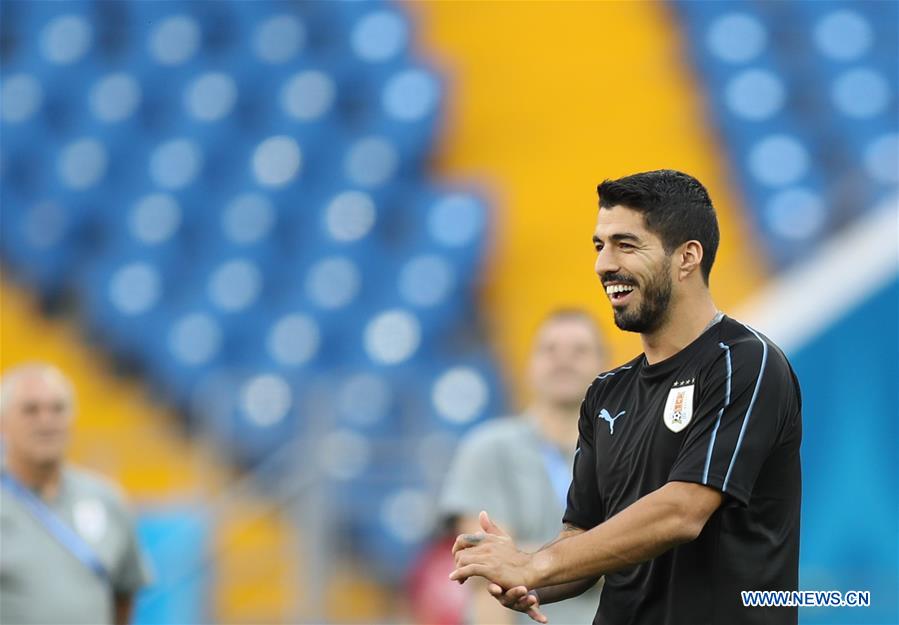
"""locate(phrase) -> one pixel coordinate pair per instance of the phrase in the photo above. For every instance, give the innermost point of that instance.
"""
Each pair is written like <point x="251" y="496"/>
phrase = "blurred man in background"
<point x="70" y="552"/>
<point x="519" y="468"/>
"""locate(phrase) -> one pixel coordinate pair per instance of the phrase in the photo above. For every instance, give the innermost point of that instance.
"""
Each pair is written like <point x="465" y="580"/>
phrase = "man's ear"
<point x="690" y="256"/>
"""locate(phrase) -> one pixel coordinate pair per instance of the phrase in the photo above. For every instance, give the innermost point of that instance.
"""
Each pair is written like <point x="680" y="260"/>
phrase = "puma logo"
<point x="605" y="416"/>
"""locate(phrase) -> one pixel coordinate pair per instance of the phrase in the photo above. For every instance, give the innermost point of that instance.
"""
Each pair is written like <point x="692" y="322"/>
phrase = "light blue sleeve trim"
<point x="755" y="394"/>
<point x="708" y="456"/>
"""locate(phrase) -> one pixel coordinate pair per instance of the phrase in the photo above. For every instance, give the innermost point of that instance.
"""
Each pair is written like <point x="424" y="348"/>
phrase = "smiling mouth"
<point x="619" y="293"/>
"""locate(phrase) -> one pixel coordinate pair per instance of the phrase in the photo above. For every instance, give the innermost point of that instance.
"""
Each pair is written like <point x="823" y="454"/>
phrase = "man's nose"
<point x="50" y="414"/>
<point x="605" y="263"/>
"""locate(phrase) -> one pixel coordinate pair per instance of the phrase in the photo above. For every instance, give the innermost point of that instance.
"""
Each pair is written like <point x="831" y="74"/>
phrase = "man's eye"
<point x="626" y="246"/>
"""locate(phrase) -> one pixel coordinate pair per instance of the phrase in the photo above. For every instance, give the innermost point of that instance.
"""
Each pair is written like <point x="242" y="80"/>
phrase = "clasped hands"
<point x="491" y="554"/>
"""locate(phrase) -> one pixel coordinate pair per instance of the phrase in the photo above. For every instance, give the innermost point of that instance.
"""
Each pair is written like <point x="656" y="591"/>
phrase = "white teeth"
<point x="618" y="288"/>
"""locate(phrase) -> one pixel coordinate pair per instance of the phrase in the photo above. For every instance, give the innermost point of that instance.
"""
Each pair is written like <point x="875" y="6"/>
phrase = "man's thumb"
<point x="489" y="526"/>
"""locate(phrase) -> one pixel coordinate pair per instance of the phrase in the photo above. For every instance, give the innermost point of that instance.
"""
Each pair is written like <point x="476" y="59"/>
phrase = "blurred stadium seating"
<point x="807" y="113"/>
<point x="234" y="194"/>
<point x="236" y="199"/>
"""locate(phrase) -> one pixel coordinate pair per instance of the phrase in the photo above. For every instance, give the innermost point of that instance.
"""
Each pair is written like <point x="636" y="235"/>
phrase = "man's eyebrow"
<point x="621" y="236"/>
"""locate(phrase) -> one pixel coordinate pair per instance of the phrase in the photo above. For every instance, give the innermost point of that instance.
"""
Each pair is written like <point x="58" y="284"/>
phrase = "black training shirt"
<point x="726" y="412"/>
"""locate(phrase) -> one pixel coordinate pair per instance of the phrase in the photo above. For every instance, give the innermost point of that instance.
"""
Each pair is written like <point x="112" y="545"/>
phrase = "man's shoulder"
<point x="747" y="342"/>
<point x="610" y="378"/>
<point x="87" y="483"/>
<point x="500" y="432"/>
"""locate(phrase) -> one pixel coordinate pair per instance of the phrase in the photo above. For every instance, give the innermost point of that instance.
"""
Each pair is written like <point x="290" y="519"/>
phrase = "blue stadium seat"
<point x="457" y="393"/>
<point x="123" y="291"/>
<point x="40" y="238"/>
<point x="251" y="412"/>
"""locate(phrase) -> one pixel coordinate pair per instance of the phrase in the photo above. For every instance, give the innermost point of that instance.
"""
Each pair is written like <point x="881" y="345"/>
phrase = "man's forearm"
<point x="561" y="592"/>
<point x="672" y="515"/>
<point x="122" y="607"/>
<point x="568" y="530"/>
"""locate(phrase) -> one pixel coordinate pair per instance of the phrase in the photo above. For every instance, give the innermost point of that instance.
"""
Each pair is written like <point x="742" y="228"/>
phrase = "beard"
<point x="652" y="312"/>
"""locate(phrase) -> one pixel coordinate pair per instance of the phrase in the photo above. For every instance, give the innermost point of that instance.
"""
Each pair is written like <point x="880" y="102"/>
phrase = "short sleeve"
<point x="584" y="508"/>
<point x="743" y="403"/>
<point x="132" y="571"/>
<point x="473" y="482"/>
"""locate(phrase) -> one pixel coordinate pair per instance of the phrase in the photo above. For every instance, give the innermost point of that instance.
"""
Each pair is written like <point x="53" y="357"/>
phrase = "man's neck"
<point x="556" y="424"/>
<point x="686" y="321"/>
<point x="43" y="479"/>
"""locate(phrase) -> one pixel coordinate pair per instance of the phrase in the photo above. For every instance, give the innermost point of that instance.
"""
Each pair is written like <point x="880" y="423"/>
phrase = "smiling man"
<point x="686" y="486"/>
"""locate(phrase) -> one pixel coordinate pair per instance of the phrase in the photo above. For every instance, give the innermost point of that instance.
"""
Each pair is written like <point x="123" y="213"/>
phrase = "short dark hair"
<point x="675" y="206"/>
<point x="575" y="314"/>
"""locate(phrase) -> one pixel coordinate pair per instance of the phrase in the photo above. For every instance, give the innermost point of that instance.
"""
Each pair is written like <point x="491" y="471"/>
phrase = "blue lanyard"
<point x="558" y="469"/>
<point x="55" y="526"/>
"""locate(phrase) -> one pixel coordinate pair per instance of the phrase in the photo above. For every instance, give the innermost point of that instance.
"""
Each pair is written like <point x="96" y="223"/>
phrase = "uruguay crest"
<point x="679" y="407"/>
